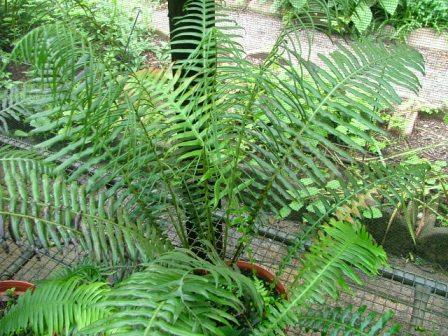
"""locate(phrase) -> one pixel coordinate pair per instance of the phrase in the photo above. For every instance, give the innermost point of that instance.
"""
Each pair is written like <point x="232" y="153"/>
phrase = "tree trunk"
<point x="176" y="10"/>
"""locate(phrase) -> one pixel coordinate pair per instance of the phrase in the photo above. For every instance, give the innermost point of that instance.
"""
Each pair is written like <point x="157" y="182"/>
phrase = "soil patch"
<point x="427" y="132"/>
<point x="18" y="71"/>
<point x="430" y="138"/>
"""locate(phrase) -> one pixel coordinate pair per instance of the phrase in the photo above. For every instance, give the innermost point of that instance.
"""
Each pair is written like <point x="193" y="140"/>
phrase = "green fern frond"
<point x="81" y="92"/>
<point x="39" y="207"/>
<point x="340" y="250"/>
<point x="376" y="182"/>
<point x="178" y="294"/>
<point x="62" y="57"/>
<point x="56" y="307"/>
<point x="296" y="117"/>
<point x="14" y="106"/>
<point x="348" y="321"/>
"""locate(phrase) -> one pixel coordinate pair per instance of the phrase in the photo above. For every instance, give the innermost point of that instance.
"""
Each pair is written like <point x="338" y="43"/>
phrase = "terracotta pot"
<point x="20" y="286"/>
<point x="263" y="274"/>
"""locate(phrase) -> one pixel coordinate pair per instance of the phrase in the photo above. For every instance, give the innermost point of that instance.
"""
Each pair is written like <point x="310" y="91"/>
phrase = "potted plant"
<point x="163" y="180"/>
<point x="9" y="289"/>
<point x="19" y="287"/>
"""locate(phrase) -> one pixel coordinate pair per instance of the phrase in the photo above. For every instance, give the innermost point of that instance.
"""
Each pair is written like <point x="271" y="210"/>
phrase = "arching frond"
<point x="349" y="321"/>
<point x="14" y="106"/>
<point x="179" y="294"/>
<point x="38" y="206"/>
<point x="53" y="52"/>
<point x="340" y="250"/>
<point x="86" y="109"/>
<point x="293" y="128"/>
<point x="56" y="307"/>
<point x="352" y="194"/>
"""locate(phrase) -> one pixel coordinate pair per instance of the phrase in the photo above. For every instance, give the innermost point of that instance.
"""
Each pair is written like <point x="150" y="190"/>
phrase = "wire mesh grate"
<point x="421" y="307"/>
<point x="22" y="262"/>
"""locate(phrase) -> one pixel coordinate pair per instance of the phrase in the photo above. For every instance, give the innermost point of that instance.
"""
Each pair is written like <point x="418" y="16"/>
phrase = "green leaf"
<point x="316" y="207"/>
<point x="332" y="259"/>
<point x="298" y="4"/>
<point x="334" y="185"/>
<point x="181" y="300"/>
<point x="296" y="206"/>
<point x="354" y="321"/>
<point x="230" y="331"/>
<point x="307" y="181"/>
<point x="372" y="213"/>
<point x="362" y="17"/>
<point x="67" y="214"/>
<point x="56" y="306"/>
<point x="284" y="212"/>
<point x="390" y="5"/>
<point x="20" y="133"/>
<point x="359" y="141"/>
<point x="342" y="129"/>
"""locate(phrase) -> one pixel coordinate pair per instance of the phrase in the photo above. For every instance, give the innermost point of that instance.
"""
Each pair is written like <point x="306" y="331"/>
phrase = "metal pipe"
<point x="17" y="265"/>
<point x="394" y="274"/>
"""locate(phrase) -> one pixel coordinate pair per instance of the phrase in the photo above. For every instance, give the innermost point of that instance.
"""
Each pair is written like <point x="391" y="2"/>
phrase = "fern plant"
<point x="194" y="153"/>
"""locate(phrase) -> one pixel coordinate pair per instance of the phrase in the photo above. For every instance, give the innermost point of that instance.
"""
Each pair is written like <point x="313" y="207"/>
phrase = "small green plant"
<point x="116" y="30"/>
<point x="364" y="16"/>
<point x="429" y="110"/>
<point x="7" y="301"/>
<point x="17" y="17"/>
<point x="266" y="293"/>
<point x="438" y="112"/>
<point x="445" y="112"/>
<point x="432" y="200"/>
<point x="396" y="121"/>
<point x="422" y="13"/>
<point x="120" y="32"/>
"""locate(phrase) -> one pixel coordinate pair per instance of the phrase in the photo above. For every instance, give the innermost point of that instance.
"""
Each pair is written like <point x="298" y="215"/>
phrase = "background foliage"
<point x="120" y="32"/>
<point x="366" y="16"/>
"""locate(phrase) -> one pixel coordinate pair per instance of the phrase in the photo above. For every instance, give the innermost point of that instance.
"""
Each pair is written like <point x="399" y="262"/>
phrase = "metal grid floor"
<point x="420" y="304"/>
<point x="22" y="263"/>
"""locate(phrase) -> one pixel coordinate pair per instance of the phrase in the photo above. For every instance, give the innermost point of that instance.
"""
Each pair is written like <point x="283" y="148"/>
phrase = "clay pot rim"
<point x="263" y="274"/>
<point x="20" y="286"/>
